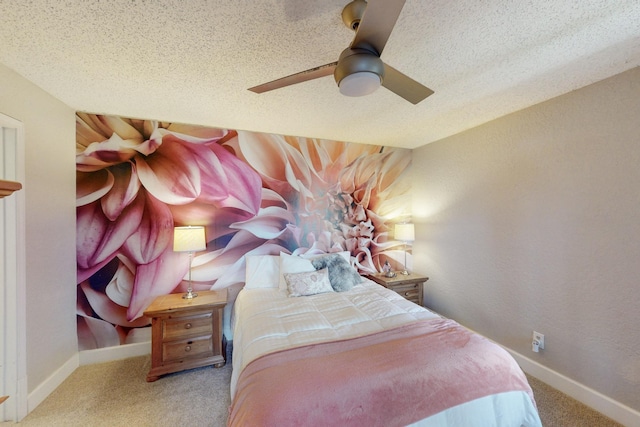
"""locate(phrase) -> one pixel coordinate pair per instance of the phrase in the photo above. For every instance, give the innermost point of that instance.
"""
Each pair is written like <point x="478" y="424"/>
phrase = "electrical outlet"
<point x="539" y="338"/>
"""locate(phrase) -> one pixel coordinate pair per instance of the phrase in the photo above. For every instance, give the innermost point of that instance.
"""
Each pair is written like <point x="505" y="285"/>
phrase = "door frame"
<point x="13" y="354"/>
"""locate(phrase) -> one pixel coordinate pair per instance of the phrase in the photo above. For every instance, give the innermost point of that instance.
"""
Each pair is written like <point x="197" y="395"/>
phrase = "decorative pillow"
<point x="263" y="271"/>
<point x="309" y="283"/>
<point x="341" y="275"/>
<point x="292" y="264"/>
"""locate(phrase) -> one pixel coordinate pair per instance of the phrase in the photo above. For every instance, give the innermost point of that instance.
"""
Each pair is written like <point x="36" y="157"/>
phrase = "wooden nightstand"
<point x="186" y="333"/>
<point x="409" y="286"/>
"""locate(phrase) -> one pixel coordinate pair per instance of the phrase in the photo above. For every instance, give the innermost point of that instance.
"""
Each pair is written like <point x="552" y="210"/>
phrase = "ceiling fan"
<point x="359" y="70"/>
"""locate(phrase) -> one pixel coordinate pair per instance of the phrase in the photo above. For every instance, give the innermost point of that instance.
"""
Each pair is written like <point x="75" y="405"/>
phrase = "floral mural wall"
<point x="255" y="193"/>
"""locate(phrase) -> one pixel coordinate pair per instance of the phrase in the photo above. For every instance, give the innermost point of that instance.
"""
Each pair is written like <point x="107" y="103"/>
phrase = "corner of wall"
<point x="44" y="389"/>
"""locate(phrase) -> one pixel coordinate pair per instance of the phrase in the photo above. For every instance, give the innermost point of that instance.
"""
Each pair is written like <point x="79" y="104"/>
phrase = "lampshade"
<point x="404" y="232"/>
<point x="189" y="239"/>
<point x="359" y="84"/>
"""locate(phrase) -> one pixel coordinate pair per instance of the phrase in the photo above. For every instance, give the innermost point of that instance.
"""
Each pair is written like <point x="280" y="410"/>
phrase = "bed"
<point x="310" y="350"/>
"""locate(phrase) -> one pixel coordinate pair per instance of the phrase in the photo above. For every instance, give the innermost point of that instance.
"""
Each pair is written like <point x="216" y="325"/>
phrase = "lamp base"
<point x="190" y="294"/>
<point x="405" y="273"/>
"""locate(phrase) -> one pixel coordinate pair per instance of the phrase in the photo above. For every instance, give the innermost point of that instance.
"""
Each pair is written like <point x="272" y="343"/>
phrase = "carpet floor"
<point x="116" y="394"/>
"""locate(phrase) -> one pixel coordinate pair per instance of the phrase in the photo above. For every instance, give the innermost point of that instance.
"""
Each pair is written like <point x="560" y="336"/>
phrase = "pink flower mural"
<point x="255" y="194"/>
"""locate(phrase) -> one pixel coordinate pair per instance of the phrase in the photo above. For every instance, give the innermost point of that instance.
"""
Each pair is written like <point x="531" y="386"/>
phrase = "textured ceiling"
<point x="192" y="61"/>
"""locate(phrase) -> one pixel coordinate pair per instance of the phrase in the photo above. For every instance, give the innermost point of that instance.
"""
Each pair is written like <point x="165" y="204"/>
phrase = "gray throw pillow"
<point x="341" y="275"/>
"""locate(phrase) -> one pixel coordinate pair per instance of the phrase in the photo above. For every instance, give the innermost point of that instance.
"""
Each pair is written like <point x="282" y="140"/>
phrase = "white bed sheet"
<point x="267" y="320"/>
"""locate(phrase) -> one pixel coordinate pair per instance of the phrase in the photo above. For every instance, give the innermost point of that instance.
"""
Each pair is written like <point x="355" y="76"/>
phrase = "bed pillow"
<point x="292" y="264"/>
<point x="262" y="271"/>
<point x="309" y="283"/>
<point x="341" y="275"/>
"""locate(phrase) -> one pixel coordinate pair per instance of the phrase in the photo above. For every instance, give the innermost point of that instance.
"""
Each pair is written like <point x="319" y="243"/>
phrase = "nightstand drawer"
<point x="410" y="292"/>
<point x="199" y="347"/>
<point x="178" y="327"/>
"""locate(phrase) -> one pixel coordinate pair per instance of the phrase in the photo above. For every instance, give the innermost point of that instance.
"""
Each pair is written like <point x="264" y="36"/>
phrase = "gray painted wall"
<point x="532" y="222"/>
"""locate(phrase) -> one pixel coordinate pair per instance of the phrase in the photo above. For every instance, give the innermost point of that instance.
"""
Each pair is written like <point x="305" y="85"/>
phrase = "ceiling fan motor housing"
<point x="357" y="60"/>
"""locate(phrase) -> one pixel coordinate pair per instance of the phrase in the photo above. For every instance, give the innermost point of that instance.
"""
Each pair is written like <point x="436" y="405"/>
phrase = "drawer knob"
<point x="406" y="294"/>
<point x="187" y="348"/>
<point x="187" y="326"/>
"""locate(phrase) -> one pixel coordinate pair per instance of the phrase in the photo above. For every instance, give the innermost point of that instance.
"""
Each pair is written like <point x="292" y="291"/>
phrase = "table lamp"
<point x="189" y="238"/>
<point x="406" y="233"/>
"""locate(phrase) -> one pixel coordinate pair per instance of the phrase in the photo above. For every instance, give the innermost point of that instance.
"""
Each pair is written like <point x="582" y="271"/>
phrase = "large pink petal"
<point x="364" y="261"/>
<point x="92" y="332"/>
<point x="217" y="221"/>
<point x="279" y="164"/>
<point x="96" y="333"/>
<point x="225" y="180"/>
<point x="152" y="143"/>
<point x="224" y="266"/>
<point x="244" y="184"/>
<point x="108" y="125"/>
<point x="138" y="135"/>
<point x="218" y="269"/>
<point x="83" y="273"/>
<point x="153" y="235"/>
<point x="124" y="191"/>
<point x="108" y="310"/>
<point x="171" y="174"/>
<point x="270" y="223"/>
<point x="87" y="132"/>
<point x="271" y="198"/>
<point x="215" y="184"/>
<point x="227" y="267"/>
<point x="267" y="249"/>
<point x="120" y="287"/>
<point x="322" y="154"/>
<point x="196" y="134"/>
<point x="392" y="167"/>
<point x="159" y="277"/>
<point x="92" y="186"/>
<point x="327" y="158"/>
<point x="102" y="154"/>
<point x="98" y="238"/>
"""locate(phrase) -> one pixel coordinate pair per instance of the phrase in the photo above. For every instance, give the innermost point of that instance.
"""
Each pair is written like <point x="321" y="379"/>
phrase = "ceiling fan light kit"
<point x="359" y="84"/>
<point x="359" y="70"/>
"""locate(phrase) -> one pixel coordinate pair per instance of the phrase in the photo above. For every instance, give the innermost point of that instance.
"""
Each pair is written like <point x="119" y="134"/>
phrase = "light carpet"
<point x="116" y="394"/>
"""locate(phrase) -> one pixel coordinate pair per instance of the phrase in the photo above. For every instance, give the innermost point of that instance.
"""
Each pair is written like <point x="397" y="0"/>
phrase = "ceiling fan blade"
<point x="303" y="76"/>
<point x="404" y="86"/>
<point x="376" y="25"/>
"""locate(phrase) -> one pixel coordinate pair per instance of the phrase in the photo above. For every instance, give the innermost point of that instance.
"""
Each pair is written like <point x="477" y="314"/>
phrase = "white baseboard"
<point x="43" y="390"/>
<point x="593" y="399"/>
<point x="118" y="352"/>
<point x="81" y="358"/>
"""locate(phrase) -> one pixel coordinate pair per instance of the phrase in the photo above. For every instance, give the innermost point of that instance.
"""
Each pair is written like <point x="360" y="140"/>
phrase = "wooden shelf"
<point x="8" y="187"/>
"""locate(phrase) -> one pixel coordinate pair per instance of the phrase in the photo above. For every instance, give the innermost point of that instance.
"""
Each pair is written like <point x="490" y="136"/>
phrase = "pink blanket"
<point x="391" y="378"/>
